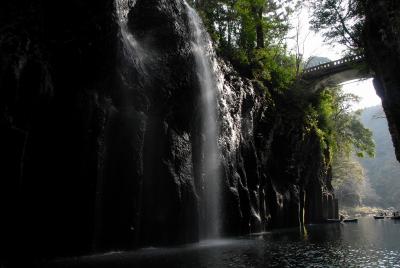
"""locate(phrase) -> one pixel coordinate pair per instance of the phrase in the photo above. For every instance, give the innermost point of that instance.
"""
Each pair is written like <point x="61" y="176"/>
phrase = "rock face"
<point x="53" y="112"/>
<point x="102" y="135"/>
<point x="382" y="42"/>
<point x="275" y="172"/>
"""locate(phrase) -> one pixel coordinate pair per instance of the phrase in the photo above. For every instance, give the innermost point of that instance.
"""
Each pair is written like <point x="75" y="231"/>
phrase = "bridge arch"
<point x="337" y="72"/>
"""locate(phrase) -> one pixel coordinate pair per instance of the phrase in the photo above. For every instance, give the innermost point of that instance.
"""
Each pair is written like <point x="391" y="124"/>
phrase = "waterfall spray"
<point x="210" y="205"/>
<point x="132" y="48"/>
<point x="135" y="56"/>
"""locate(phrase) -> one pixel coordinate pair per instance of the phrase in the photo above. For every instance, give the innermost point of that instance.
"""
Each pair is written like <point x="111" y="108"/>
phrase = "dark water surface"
<point x="368" y="243"/>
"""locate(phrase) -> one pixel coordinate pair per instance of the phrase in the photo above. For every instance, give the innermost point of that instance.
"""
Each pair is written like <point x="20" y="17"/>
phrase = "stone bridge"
<point x="337" y="72"/>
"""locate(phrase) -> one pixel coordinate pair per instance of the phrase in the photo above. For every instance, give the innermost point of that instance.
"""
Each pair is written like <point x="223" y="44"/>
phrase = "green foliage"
<point x="251" y="35"/>
<point x="346" y="138"/>
<point x="361" y="138"/>
<point x="273" y="66"/>
<point x="343" y="131"/>
<point x="343" y="138"/>
<point x="340" y="21"/>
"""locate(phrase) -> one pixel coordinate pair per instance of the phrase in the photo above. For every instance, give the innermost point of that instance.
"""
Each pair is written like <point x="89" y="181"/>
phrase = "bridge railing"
<point x="334" y="64"/>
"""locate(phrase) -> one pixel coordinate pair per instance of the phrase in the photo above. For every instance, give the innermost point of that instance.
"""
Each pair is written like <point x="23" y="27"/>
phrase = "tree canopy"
<point x="252" y="34"/>
<point x="340" y="126"/>
<point x="340" y="21"/>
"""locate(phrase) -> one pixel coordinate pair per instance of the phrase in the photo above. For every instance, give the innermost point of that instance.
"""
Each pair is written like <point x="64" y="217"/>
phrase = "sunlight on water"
<point x="370" y="243"/>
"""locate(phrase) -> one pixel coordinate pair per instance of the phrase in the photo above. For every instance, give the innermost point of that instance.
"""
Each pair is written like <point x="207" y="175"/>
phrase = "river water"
<point x="368" y="243"/>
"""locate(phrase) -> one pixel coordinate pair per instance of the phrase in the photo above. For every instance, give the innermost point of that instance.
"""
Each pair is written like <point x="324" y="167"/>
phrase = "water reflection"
<point x="369" y="243"/>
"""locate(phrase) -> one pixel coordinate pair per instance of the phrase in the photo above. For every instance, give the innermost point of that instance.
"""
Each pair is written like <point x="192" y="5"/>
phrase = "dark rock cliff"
<point x="101" y="147"/>
<point x="57" y="65"/>
<point x="276" y="172"/>
<point x="382" y="43"/>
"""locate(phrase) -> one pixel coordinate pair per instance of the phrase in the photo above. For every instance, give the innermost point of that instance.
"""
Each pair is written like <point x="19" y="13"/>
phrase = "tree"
<point x="347" y="138"/>
<point x="341" y="127"/>
<point x="340" y="21"/>
<point x="251" y="35"/>
<point x="300" y="39"/>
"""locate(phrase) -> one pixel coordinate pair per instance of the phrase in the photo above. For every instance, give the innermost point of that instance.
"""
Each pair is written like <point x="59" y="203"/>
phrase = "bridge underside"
<point x="337" y="76"/>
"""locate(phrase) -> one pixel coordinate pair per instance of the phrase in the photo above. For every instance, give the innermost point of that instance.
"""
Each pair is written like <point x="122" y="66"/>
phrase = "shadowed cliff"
<point x="102" y="144"/>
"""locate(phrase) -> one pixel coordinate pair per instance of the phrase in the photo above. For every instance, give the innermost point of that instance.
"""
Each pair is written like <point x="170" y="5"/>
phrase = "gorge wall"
<point x="382" y="45"/>
<point x="102" y="135"/>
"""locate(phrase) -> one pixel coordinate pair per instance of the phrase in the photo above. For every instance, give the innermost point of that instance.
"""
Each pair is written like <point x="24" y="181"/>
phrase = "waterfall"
<point x="210" y="205"/>
<point x="135" y="60"/>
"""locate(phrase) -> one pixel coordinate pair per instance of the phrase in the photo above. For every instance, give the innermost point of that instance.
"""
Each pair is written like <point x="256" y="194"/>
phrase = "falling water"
<point x="209" y="225"/>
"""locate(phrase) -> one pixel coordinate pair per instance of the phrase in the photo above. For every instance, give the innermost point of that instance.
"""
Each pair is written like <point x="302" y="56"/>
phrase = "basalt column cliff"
<point x="124" y="129"/>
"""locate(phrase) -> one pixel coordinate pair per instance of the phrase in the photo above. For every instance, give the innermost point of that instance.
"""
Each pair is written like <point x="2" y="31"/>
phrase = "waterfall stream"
<point x="210" y="223"/>
<point x="138" y="56"/>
